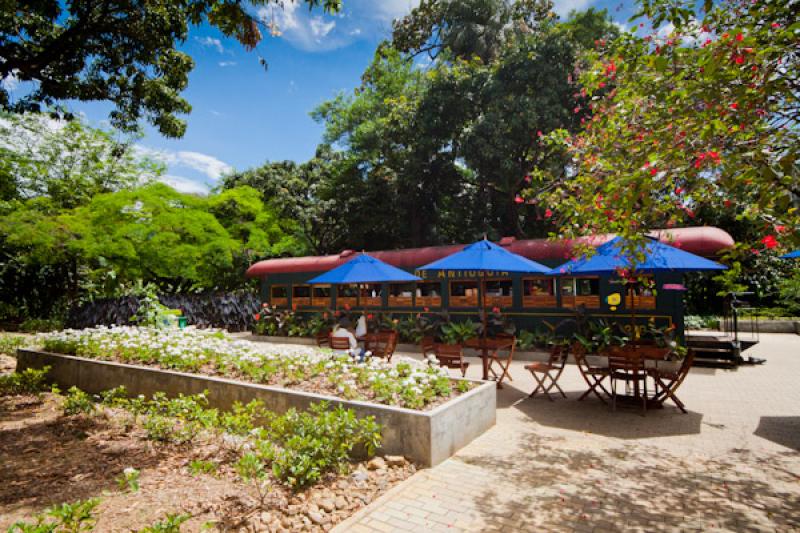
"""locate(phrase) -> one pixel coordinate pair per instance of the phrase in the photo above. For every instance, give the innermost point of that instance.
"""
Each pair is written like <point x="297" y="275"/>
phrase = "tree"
<point x="67" y="162"/>
<point x="702" y="118"/>
<point x="122" y="51"/>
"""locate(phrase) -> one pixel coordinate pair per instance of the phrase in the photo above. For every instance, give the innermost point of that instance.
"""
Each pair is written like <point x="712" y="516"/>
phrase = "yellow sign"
<point x="613" y="300"/>
<point x="456" y="274"/>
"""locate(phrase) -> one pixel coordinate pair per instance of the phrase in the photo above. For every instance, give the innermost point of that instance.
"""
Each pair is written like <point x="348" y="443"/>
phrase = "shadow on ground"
<point x="783" y="430"/>
<point x="636" y="488"/>
<point x="55" y="460"/>
<point x="592" y="415"/>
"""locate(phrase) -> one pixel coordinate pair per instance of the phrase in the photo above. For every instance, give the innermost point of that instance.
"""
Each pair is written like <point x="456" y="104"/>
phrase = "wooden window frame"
<point x="301" y="301"/>
<point x="280" y="301"/>
<point x="431" y="302"/>
<point x="342" y="301"/>
<point x="461" y="299"/>
<point x="590" y="302"/>
<point x="550" y="300"/>
<point x="636" y="302"/>
<point x="498" y="301"/>
<point x="321" y="301"/>
<point x="370" y="301"/>
<point x="401" y="301"/>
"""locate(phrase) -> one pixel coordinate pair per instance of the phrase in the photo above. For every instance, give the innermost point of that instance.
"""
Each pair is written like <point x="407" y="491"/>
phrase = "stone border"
<point x="426" y="437"/>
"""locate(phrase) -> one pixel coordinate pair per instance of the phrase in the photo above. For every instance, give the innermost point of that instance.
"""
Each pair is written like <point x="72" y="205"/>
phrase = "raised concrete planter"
<point x="426" y="437"/>
<point x="779" y="326"/>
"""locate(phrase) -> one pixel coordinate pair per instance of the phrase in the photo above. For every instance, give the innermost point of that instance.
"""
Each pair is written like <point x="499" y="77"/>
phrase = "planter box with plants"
<point x="426" y="415"/>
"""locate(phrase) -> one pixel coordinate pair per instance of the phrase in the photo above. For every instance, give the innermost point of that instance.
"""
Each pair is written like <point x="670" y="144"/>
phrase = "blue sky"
<point x="243" y="116"/>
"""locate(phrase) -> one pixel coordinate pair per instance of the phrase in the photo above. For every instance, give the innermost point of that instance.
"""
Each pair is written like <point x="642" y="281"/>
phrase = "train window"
<point x="538" y="292"/>
<point x="499" y="293"/>
<point x="580" y="291"/>
<point x="428" y="295"/>
<point x="279" y="295"/>
<point x="463" y="293"/>
<point x="346" y="295"/>
<point x="321" y="296"/>
<point x="371" y="295"/>
<point x="301" y="295"/>
<point x="644" y="294"/>
<point x="401" y="294"/>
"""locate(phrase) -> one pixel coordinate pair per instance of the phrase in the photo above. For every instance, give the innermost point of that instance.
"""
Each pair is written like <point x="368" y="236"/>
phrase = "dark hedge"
<point x="233" y="311"/>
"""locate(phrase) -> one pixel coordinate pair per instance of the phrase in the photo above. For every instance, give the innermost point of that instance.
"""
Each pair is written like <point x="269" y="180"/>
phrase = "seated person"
<point x="341" y="330"/>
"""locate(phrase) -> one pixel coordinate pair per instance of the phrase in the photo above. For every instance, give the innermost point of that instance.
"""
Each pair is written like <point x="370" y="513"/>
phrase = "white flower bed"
<point x="407" y="383"/>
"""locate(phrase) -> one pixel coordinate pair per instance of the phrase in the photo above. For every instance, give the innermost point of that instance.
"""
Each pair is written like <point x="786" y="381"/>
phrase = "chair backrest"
<point x="558" y="355"/>
<point x="338" y="343"/>
<point x="505" y="346"/>
<point x="448" y="353"/>
<point x="382" y="344"/>
<point x="428" y="345"/>
<point x="323" y="338"/>
<point x="627" y="359"/>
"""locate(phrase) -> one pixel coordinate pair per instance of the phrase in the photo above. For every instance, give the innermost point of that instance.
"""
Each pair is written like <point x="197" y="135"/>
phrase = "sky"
<point x="244" y="116"/>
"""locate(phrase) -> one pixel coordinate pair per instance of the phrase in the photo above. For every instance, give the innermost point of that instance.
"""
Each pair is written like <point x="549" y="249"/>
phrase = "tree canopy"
<point x="703" y="118"/>
<point x="122" y="51"/>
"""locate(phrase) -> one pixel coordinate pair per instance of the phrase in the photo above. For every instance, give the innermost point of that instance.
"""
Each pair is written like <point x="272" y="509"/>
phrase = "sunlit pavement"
<point x="732" y="463"/>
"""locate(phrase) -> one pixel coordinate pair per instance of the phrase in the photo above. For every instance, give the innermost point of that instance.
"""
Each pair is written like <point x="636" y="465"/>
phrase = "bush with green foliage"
<point x="67" y="518"/>
<point x="29" y="381"/>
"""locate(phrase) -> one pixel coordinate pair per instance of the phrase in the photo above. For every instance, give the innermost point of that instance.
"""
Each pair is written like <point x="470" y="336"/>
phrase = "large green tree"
<point x="122" y="51"/>
<point x="67" y="162"/>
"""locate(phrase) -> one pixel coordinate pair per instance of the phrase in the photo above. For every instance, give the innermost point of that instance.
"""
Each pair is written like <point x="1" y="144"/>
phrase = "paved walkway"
<point x="732" y="463"/>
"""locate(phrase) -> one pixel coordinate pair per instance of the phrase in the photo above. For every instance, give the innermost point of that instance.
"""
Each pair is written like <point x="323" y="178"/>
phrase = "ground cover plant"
<point x="153" y="464"/>
<point x="407" y="383"/>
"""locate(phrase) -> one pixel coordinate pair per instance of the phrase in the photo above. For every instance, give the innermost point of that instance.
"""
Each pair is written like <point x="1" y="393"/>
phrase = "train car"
<point x="532" y="302"/>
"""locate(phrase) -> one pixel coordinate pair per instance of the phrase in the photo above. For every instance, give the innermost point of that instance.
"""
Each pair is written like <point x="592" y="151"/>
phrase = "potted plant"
<point x="459" y="332"/>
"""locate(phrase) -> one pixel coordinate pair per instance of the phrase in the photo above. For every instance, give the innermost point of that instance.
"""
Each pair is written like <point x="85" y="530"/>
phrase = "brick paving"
<point x="731" y="464"/>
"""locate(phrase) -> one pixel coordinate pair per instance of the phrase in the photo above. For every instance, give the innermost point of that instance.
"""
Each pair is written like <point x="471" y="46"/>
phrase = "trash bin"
<point x="182" y="322"/>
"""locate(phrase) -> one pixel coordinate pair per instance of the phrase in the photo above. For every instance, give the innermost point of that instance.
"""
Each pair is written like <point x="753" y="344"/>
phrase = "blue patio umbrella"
<point x="656" y="257"/>
<point x="484" y="257"/>
<point x="792" y="255"/>
<point x="363" y="269"/>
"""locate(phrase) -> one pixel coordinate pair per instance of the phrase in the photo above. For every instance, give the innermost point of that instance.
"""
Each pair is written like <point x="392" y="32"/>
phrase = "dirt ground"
<point x="47" y="458"/>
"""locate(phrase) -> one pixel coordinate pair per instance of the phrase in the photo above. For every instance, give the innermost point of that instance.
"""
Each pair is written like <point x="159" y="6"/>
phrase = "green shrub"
<point x="76" y="402"/>
<point x="198" y="467"/>
<point x="10" y="343"/>
<point x="319" y="440"/>
<point x="170" y="524"/>
<point x="67" y="518"/>
<point x="36" y="325"/>
<point x="29" y="381"/>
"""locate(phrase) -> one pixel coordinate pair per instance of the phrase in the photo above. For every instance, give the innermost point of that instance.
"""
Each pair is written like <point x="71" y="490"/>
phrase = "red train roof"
<point x="705" y="241"/>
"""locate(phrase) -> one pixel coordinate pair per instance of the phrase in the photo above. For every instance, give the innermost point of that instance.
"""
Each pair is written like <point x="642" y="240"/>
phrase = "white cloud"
<point x="320" y="28"/>
<point x="224" y="64"/>
<point x="206" y="164"/>
<point x="185" y="185"/>
<point x="210" y="42"/>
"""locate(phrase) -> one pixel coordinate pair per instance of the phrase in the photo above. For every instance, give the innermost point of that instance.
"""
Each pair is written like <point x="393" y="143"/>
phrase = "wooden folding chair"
<point x="451" y="356"/>
<point x="626" y="365"/>
<point x="549" y="372"/>
<point x="322" y="338"/>
<point x="382" y="344"/>
<point x="667" y="382"/>
<point x="428" y="346"/>
<point x="496" y="357"/>
<point x="338" y="343"/>
<point x="594" y="375"/>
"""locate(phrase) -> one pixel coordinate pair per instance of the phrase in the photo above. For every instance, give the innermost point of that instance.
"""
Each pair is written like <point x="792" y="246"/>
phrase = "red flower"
<point x="728" y="203"/>
<point x="548" y="213"/>
<point x="654" y="171"/>
<point x="257" y="316"/>
<point x="678" y="190"/>
<point x="776" y="25"/>
<point x="347" y="306"/>
<point x="495" y="309"/>
<point x="519" y="200"/>
<point x="739" y="60"/>
<point x="264" y="305"/>
<point x="539" y="133"/>
<point x="426" y="309"/>
<point x="527" y="179"/>
<point x="601" y="84"/>
<point x="739" y="37"/>
<point x="370" y="316"/>
<point x="770" y="241"/>
<point x="780" y="229"/>
<point x="734" y="106"/>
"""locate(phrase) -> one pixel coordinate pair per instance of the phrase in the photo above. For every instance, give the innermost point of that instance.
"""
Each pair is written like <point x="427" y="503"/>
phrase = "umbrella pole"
<point x="484" y="347"/>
